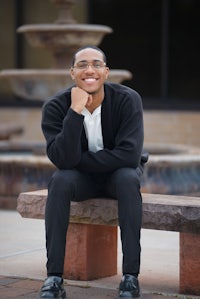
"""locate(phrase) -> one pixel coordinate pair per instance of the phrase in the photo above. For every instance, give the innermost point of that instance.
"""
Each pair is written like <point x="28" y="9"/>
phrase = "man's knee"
<point x="127" y="175"/>
<point x="63" y="178"/>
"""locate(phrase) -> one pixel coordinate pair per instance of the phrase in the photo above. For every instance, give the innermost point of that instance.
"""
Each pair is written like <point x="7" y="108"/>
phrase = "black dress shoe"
<point x="129" y="288"/>
<point x="53" y="288"/>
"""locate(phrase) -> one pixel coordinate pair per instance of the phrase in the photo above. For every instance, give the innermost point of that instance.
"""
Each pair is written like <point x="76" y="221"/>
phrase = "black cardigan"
<point x="122" y="130"/>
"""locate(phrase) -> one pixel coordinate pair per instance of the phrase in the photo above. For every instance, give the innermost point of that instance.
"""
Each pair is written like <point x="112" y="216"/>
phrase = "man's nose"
<point x="90" y="68"/>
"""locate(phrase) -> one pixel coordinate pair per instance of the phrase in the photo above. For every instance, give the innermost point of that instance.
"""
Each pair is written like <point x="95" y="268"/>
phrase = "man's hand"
<point x="80" y="99"/>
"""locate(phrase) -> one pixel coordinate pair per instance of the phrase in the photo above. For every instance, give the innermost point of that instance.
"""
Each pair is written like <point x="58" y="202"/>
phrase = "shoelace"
<point x="128" y="284"/>
<point x="51" y="285"/>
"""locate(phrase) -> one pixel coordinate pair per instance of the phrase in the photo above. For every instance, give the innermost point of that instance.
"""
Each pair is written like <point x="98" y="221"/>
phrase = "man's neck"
<point x="97" y="101"/>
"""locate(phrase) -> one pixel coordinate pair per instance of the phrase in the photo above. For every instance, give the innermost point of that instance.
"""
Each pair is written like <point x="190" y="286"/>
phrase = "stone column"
<point x="91" y="251"/>
<point x="190" y="264"/>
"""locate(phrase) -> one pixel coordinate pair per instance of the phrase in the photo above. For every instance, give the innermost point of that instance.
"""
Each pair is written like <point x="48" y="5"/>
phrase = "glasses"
<point x="95" y="64"/>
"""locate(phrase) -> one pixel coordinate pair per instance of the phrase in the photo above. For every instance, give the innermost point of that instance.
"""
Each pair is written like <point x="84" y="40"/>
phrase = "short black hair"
<point x="89" y="47"/>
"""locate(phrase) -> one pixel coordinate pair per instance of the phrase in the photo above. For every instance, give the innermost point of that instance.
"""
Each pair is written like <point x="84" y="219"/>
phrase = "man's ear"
<point x="72" y="73"/>
<point x="107" y="73"/>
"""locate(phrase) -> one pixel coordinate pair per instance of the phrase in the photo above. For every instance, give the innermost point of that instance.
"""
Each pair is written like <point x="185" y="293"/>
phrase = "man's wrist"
<point x="77" y="110"/>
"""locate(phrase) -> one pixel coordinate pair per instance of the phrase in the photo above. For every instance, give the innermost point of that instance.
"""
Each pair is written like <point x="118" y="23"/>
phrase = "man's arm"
<point x="62" y="129"/>
<point x="128" y="142"/>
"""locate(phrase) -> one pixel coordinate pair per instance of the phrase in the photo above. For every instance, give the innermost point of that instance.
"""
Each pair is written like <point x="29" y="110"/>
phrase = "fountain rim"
<point x="187" y="154"/>
<point x="64" y="27"/>
<point x="181" y="159"/>
<point x="50" y="72"/>
<point x="59" y="79"/>
<point x="159" y="160"/>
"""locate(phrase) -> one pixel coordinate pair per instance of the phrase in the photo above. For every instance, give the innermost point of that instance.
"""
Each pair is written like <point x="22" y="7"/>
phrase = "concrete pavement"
<point x="23" y="257"/>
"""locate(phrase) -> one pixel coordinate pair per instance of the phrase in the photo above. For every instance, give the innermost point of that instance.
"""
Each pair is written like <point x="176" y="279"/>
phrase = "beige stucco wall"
<point x="30" y="119"/>
<point x="180" y="127"/>
<point x="177" y="127"/>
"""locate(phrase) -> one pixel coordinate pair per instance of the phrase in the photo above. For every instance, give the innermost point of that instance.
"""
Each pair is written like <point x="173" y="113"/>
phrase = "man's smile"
<point x="90" y="80"/>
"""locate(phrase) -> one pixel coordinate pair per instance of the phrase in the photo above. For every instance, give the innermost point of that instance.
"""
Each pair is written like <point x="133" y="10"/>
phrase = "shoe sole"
<point x="63" y="296"/>
<point x="119" y="297"/>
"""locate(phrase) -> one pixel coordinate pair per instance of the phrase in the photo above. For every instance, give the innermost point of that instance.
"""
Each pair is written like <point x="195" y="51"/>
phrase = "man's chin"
<point x="90" y="91"/>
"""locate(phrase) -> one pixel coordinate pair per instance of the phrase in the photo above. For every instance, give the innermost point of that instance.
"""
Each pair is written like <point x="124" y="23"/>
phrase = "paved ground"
<point x="22" y="264"/>
<point x="20" y="288"/>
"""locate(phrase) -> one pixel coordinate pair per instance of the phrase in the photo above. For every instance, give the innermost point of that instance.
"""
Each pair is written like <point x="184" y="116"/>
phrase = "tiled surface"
<point x="19" y="288"/>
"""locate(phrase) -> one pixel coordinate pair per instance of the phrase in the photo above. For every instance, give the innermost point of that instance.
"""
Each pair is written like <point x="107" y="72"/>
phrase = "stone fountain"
<point x="62" y="39"/>
<point x="23" y="165"/>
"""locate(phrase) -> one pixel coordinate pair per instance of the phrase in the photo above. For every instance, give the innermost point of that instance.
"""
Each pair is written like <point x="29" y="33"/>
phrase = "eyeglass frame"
<point x="90" y="63"/>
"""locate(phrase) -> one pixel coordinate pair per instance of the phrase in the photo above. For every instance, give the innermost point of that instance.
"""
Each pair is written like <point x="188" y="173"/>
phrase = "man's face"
<point x="89" y="71"/>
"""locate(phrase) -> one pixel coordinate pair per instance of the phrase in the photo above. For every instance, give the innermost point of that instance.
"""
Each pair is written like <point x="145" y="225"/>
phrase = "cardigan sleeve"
<point x="62" y="129"/>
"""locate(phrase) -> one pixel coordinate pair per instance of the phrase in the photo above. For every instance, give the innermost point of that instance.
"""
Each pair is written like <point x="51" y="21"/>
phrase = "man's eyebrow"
<point x="82" y="61"/>
<point x="89" y="60"/>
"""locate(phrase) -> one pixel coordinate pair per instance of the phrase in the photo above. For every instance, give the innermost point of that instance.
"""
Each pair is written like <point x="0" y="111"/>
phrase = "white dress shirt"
<point x="93" y="130"/>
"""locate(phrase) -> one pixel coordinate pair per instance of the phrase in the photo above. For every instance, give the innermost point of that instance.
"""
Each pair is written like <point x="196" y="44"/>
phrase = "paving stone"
<point x="16" y="288"/>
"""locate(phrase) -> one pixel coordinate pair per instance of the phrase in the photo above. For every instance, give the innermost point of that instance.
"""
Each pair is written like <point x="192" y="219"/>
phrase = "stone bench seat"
<point x="99" y="217"/>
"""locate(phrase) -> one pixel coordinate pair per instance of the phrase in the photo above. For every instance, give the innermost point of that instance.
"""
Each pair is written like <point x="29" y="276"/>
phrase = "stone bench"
<point x="98" y="217"/>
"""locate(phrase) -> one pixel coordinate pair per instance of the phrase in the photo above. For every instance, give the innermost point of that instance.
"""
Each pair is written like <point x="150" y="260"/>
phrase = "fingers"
<point x="79" y="99"/>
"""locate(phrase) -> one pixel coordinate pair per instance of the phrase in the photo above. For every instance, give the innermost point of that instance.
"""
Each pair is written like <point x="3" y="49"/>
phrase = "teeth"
<point x="90" y="80"/>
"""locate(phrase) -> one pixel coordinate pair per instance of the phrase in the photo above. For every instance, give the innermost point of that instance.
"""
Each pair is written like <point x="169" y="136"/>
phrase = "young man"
<point x="94" y="134"/>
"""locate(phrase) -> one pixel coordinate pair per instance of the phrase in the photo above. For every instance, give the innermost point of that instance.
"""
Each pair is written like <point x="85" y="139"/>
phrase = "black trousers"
<point x="71" y="185"/>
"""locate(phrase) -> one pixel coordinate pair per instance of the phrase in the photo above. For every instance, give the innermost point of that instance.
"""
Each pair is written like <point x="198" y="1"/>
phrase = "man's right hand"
<point x="80" y="99"/>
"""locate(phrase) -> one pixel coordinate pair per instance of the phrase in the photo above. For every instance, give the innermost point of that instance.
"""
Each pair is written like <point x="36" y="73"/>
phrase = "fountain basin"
<point x="40" y="84"/>
<point x="64" y="36"/>
<point x="63" y="40"/>
<point x="169" y="174"/>
<point x="172" y="169"/>
<point x="24" y="167"/>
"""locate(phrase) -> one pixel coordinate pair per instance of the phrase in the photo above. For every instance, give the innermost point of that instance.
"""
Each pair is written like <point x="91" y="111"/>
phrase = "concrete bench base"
<point x="91" y="250"/>
<point x="189" y="264"/>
